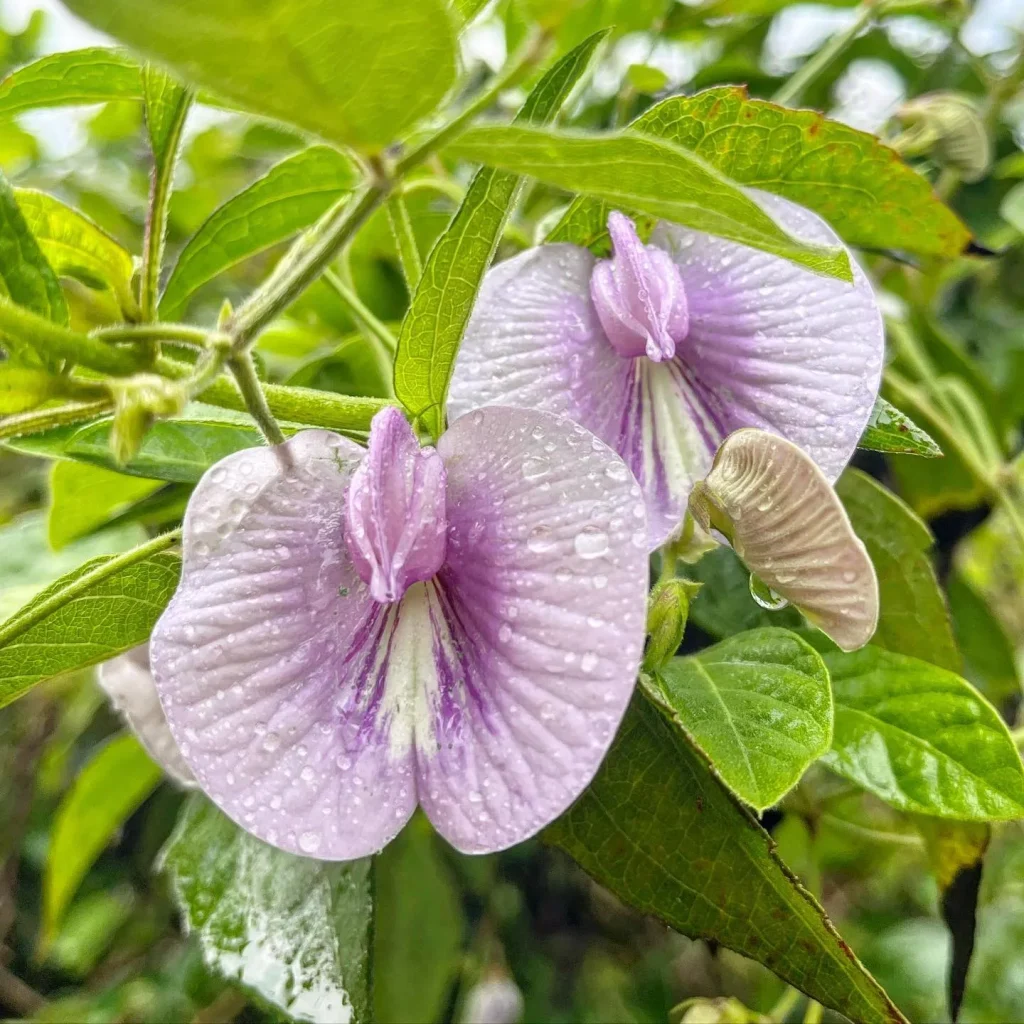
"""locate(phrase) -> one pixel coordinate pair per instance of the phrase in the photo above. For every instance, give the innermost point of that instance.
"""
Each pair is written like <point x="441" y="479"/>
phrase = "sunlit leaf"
<point x="295" y="931"/>
<point x="922" y="739"/>
<point x="93" y="75"/>
<point x="658" y="829"/>
<point x="758" y="704"/>
<point x="892" y="431"/>
<point x="639" y="172"/>
<point x="84" y="497"/>
<point x="859" y="185"/>
<point x="76" y="247"/>
<point x="25" y="275"/>
<point x="913" y="618"/>
<point x="22" y="388"/>
<point x="92" y="613"/>
<point x="287" y="199"/>
<point x="440" y="309"/>
<point x="166" y="100"/>
<point x="354" y="73"/>
<point x="108" y="789"/>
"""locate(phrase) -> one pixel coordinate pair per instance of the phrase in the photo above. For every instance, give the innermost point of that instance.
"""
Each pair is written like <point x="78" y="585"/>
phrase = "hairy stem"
<point x="38" y="420"/>
<point x="184" y="333"/>
<point x="244" y="371"/>
<point x="156" y="221"/>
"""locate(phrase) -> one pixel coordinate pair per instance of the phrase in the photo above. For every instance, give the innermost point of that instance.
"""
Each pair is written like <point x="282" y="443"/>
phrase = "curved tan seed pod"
<point x="786" y="522"/>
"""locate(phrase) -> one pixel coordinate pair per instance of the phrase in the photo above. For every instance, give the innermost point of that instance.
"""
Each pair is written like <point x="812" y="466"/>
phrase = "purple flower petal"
<point x="395" y="527"/>
<point x="545" y="593"/>
<point x="768" y="344"/>
<point x="128" y="682"/>
<point x="272" y="650"/>
<point x="315" y="716"/>
<point x="638" y="295"/>
<point x="789" y="351"/>
<point x="535" y="341"/>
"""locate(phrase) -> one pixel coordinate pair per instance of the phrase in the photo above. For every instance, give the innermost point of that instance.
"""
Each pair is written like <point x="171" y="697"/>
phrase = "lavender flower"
<point x="360" y="631"/>
<point x="665" y="349"/>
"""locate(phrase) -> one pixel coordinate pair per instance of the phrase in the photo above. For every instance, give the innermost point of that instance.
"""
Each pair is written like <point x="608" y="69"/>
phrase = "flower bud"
<point x="138" y="401"/>
<point x="947" y="125"/>
<point x="667" y="613"/>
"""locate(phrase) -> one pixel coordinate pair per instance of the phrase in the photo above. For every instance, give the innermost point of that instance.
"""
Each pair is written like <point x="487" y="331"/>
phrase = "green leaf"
<point x="639" y="172"/>
<point x="76" y="247"/>
<point x="860" y="186"/>
<point x="658" y="829"/>
<point x="989" y="655"/>
<point x="358" y="366"/>
<point x="418" y="928"/>
<point x="93" y="75"/>
<point x="758" y="705"/>
<point x="287" y="199"/>
<point x="922" y="739"/>
<point x="892" y="431"/>
<point x="108" y="790"/>
<point x="84" y="497"/>
<point x="25" y="276"/>
<point x="353" y="73"/>
<point x="296" y="931"/>
<point x="166" y="101"/>
<point x="440" y="309"/>
<point x="645" y="78"/>
<point x="179" y="450"/>
<point x="723" y="605"/>
<point x="584" y="223"/>
<point x="1012" y="207"/>
<point x="90" y="614"/>
<point x="23" y="388"/>
<point x="913" y="618"/>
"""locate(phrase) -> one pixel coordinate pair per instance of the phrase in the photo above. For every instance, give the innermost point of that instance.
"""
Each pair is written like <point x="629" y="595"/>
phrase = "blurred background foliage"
<point x="453" y="932"/>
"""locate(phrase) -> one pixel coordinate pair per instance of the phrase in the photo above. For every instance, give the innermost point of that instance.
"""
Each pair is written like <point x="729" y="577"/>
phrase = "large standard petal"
<point x="271" y="659"/>
<point x="786" y="350"/>
<point x="128" y="682"/>
<point x="535" y="341"/>
<point x="539" y="620"/>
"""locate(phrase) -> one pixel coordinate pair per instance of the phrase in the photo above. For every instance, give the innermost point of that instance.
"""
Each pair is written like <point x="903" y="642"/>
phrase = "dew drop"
<point x="765" y="596"/>
<point x="540" y="541"/>
<point x="616" y="471"/>
<point x="591" y="542"/>
<point x="534" y="466"/>
<point x="505" y="633"/>
<point x="309" y="842"/>
<point x="588" y="662"/>
<point x="600" y="582"/>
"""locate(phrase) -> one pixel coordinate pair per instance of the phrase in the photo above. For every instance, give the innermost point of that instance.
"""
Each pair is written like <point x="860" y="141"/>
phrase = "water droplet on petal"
<point x="534" y="466"/>
<point x="591" y="542"/>
<point x="309" y="842"/>
<point x="588" y="662"/>
<point x="765" y="596"/>
<point x="540" y="540"/>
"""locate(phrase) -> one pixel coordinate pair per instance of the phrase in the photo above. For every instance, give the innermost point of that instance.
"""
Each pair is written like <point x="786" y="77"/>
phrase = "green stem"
<point x="183" y="333"/>
<point x="813" y="1013"/>
<point x="363" y="316"/>
<point x="38" y="420"/>
<point x="346" y="413"/>
<point x="156" y="221"/>
<point x="304" y="263"/>
<point x="405" y="240"/>
<point x="50" y="339"/>
<point x="791" y="90"/>
<point x="513" y="73"/>
<point x="244" y="371"/>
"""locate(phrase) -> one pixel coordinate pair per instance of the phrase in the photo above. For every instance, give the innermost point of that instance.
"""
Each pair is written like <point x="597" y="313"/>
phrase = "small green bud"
<point x="718" y="1011"/>
<point x="667" y="612"/>
<point x="227" y="311"/>
<point x="948" y="126"/>
<point x="138" y="401"/>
